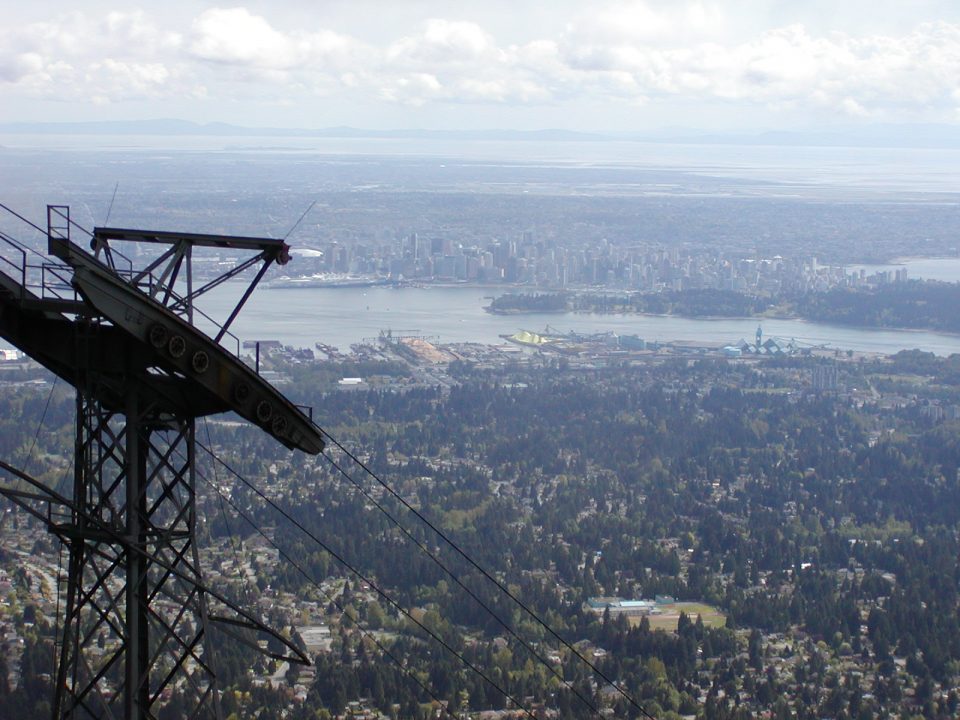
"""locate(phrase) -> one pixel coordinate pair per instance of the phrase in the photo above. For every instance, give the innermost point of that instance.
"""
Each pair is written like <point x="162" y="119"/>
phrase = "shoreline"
<point x="344" y="316"/>
<point x="508" y="288"/>
<point x="725" y="318"/>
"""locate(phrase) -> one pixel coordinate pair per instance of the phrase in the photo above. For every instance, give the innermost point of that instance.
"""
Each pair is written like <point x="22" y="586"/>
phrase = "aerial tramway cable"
<point x="373" y="586"/>
<point x="36" y="436"/>
<point x="236" y="546"/>
<point x="498" y="584"/>
<point x="505" y="590"/>
<point x="379" y="506"/>
<point x="453" y="576"/>
<point x="300" y="220"/>
<point x="330" y="598"/>
<point x="112" y="199"/>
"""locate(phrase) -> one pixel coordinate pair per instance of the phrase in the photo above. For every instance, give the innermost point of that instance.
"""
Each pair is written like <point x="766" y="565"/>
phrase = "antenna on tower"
<point x="138" y="614"/>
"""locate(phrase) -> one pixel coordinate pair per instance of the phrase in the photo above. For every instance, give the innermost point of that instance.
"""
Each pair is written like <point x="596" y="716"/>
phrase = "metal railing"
<point x="15" y="268"/>
<point x="53" y="280"/>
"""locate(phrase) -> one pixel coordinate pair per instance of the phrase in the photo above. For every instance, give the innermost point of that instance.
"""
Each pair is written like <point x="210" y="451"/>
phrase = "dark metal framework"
<point x="140" y="612"/>
<point x="138" y="617"/>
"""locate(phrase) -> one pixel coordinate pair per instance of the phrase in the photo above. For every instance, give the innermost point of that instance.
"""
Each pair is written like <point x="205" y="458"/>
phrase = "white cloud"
<point x="443" y="41"/>
<point x="16" y="67"/>
<point x="853" y="75"/>
<point x="246" y="56"/>
<point x="458" y="62"/>
<point x="116" y="57"/>
<point x="650" y="23"/>
<point x="624" y="52"/>
<point x="118" y="79"/>
<point x="235" y="36"/>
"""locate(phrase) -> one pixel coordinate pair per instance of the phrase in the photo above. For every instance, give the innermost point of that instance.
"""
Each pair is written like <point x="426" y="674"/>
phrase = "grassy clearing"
<point x="905" y="378"/>
<point x="670" y="615"/>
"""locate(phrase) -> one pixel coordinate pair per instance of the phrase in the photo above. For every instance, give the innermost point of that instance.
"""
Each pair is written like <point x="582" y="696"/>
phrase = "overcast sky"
<point x="631" y="65"/>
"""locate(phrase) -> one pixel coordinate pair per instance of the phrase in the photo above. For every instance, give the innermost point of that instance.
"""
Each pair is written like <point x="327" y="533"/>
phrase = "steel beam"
<point x="136" y="625"/>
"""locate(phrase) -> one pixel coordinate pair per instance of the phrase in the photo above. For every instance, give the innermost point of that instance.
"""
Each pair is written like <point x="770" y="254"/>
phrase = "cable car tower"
<point x="136" y="625"/>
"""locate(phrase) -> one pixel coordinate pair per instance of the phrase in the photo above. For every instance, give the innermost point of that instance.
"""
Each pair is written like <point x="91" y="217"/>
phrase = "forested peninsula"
<point x="917" y="305"/>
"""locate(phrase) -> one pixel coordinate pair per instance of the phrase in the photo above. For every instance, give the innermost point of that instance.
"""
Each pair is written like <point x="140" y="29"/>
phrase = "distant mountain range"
<point x="185" y="127"/>
<point x="880" y="135"/>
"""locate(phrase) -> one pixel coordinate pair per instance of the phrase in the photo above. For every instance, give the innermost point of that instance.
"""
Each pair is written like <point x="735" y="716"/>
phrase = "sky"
<point x="624" y="65"/>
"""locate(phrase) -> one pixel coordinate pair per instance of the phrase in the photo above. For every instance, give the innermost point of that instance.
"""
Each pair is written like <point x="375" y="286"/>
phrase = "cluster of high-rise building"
<point x="528" y="260"/>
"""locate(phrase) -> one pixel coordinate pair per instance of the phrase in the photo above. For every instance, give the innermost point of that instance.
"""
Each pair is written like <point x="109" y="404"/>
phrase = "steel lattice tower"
<point x="137" y="618"/>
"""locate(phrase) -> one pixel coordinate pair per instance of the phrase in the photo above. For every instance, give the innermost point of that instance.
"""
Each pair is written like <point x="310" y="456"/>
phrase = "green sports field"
<point x="670" y="614"/>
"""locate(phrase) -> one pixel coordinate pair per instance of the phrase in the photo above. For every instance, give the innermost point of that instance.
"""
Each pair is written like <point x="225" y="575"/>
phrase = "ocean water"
<point x="782" y="171"/>
<point x="302" y="317"/>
